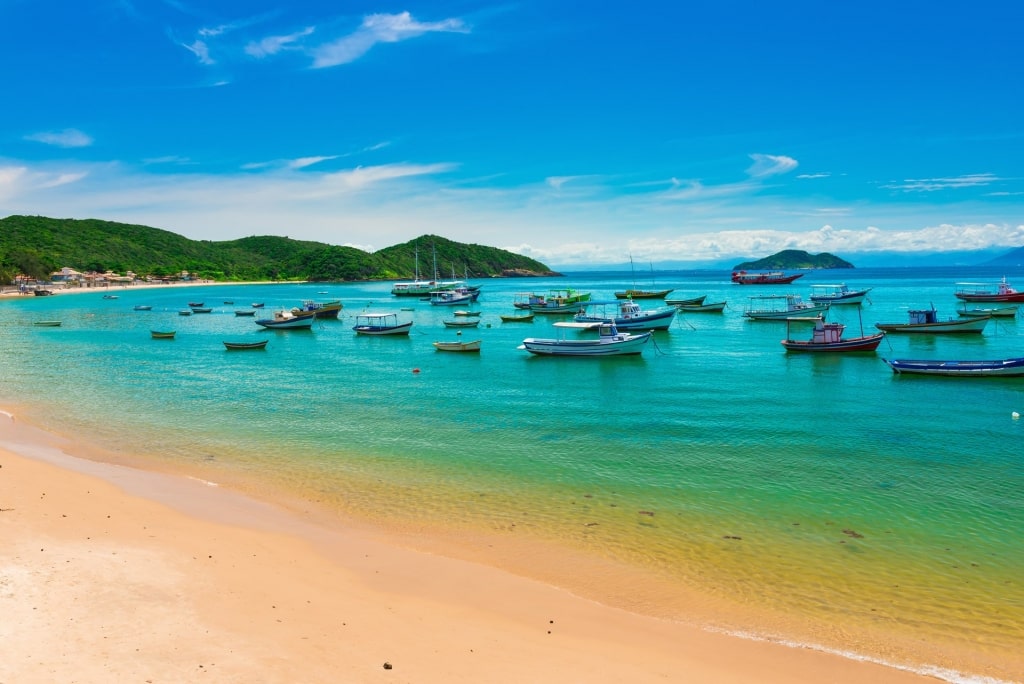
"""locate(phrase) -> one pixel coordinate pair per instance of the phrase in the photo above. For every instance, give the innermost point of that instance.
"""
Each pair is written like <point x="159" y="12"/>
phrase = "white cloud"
<point x="770" y="165"/>
<point x="303" y="162"/>
<point x="200" y="50"/>
<point x="69" y="137"/>
<point x="933" y="184"/>
<point x="379" y="28"/>
<point x="813" y="175"/>
<point x="271" y="45"/>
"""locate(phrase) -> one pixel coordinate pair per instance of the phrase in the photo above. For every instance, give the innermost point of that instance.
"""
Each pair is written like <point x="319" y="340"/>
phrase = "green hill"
<point x="791" y="259"/>
<point x="37" y="246"/>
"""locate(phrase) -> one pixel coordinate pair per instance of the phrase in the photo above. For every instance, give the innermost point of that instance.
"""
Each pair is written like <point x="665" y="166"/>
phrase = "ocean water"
<point x="717" y="479"/>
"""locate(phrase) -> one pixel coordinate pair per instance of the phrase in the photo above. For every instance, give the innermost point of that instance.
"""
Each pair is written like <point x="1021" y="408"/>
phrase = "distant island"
<point x="37" y="247"/>
<point x="791" y="259"/>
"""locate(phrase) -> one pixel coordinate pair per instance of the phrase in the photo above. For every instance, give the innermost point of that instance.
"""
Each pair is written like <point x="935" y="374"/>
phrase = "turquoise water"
<point x="811" y="496"/>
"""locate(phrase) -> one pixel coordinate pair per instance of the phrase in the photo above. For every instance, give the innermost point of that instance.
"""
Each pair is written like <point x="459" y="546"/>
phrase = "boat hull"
<point x="245" y="345"/>
<point x="292" y="322"/>
<point x="629" y="344"/>
<point x="643" y="294"/>
<point x="692" y="301"/>
<point x="473" y="346"/>
<point x="846" y="298"/>
<point x="655" y="321"/>
<point x="773" y="315"/>
<point x="400" y="329"/>
<point x="714" y="307"/>
<point x="868" y="343"/>
<point x="963" y="325"/>
<point x="1000" y="368"/>
<point x="162" y="334"/>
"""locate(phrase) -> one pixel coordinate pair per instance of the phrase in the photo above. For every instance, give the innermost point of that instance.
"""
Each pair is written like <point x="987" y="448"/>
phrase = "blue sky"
<point x="572" y="132"/>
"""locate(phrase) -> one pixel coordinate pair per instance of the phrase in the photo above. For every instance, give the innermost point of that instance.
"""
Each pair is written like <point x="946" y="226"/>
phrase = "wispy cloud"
<point x="69" y="137"/>
<point x="200" y="49"/>
<point x="379" y="28"/>
<point x="770" y="165"/>
<point x="303" y="162"/>
<point x="805" y="176"/>
<point x="271" y="45"/>
<point x="933" y="184"/>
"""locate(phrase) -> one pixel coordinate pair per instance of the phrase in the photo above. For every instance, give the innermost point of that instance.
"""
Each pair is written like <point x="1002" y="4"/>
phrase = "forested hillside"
<point x="37" y="246"/>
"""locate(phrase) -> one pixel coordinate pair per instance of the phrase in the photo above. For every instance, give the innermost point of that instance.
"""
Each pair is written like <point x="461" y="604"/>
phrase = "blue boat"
<point x="626" y="315"/>
<point x="998" y="368"/>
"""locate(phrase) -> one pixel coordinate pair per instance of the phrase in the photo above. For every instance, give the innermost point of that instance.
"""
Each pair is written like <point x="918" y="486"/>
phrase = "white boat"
<point x="453" y="297"/>
<point x="837" y="294"/>
<point x="473" y="346"/>
<point x="927" y="321"/>
<point x="288" y="320"/>
<point x="380" y="324"/>
<point x="781" y="307"/>
<point x="626" y="315"/>
<point x="463" y="323"/>
<point x="610" y="342"/>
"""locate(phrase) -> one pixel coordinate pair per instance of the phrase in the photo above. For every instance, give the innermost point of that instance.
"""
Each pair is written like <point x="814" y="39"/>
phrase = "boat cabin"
<point x="827" y="333"/>
<point x="923" y="316"/>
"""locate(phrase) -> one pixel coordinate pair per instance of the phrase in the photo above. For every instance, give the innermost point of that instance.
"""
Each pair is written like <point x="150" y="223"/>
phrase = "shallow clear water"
<point x="820" y="486"/>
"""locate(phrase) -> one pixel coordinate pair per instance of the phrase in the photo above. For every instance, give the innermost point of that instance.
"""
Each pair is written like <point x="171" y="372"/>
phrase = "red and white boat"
<point x="764" y="278"/>
<point x="828" y="337"/>
<point x="983" y="292"/>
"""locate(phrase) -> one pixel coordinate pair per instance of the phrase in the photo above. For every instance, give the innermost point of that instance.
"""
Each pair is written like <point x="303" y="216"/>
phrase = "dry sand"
<point x="110" y="574"/>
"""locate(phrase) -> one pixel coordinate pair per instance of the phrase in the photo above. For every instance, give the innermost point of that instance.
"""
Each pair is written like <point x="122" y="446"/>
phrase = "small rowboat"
<point x="460" y="312"/>
<point x="143" y="307"/>
<point x="713" y="307"/>
<point x="201" y="309"/>
<point x="193" y="305"/>
<point x="245" y="312"/>
<point x="162" y="334"/>
<point x="686" y="302"/>
<point x="47" y="324"/>
<point x="185" y="312"/>
<point x="473" y="346"/>
<point x="462" y="324"/>
<point x="517" y="319"/>
<point x="246" y="345"/>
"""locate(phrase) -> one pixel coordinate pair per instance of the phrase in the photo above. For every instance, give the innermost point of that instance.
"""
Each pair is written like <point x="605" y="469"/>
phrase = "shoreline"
<point x="100" y="558"/>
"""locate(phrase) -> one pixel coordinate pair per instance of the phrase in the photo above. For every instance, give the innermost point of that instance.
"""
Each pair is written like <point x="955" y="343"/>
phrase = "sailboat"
<point x="634" y="293"/>
<point x="417" y="287"/>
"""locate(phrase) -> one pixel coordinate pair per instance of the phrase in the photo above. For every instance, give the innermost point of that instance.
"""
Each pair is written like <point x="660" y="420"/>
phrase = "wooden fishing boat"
<point x="636" y="293"/>
<point x="286" y="320"/>
<point x="995" y="312"/>
<point x="837" y="294"/>
<point x="828" y="337"/>
<point x="185" y="312"/>
<point x="610" y="342"/>
<point x="110" y="296"/>
<point x="245" y="312"/>
<point x="47" y="324"/>
<point x="984" y="292"/>
<point x="321" y="309"/>
<point x="162" y="334"/>
<point x="195" y="305"/>
<point x="711" y="307"/>
<point x="558" y="302"/>
<point x="781" y="307"/>
<point x="142" y="307"/>
<point x="527" y="318"/>
<point x="999" y="368"/>
<point x="469" y="323"/>
<point x="626" y="315"/>
<point x="246" y="345"/>
<point x="764" y="278"/>
<point x="380" y="324"/>
<point x="473" y="346"/>
<point x="691" y="301"/>
<point x="926" y="321"/>
<point x="202" y="309"/>
<point x="462" y="312"/>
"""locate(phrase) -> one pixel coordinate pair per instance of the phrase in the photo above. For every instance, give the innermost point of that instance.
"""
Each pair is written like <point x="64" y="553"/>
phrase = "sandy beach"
<point x="109" y="573"/>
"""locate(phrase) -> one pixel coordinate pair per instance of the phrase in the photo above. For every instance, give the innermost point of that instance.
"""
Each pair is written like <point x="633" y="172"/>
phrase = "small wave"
<point x="205" y="482"/>
<point x="941" y="673"/>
